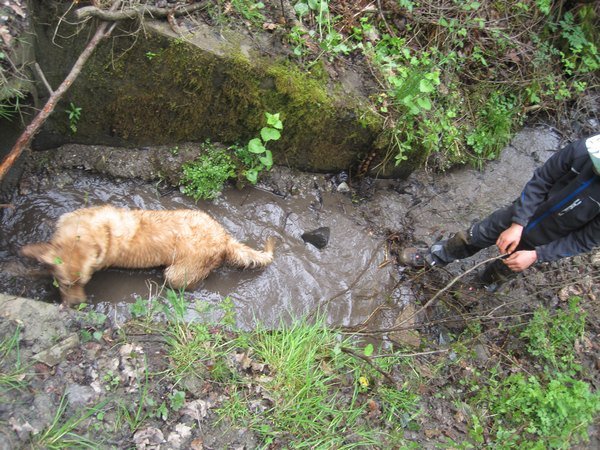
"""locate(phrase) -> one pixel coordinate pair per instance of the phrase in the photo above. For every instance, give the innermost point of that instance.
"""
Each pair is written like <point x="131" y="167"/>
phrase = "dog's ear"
<point x="44" y="252"/>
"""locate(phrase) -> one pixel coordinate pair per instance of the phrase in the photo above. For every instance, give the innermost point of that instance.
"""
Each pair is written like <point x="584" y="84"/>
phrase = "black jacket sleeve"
<point x="544" y="178"/>
<point x="581" y="241"/>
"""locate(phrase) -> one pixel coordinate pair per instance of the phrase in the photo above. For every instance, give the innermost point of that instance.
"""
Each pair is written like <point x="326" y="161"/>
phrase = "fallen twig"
<point x="368" y="360"/>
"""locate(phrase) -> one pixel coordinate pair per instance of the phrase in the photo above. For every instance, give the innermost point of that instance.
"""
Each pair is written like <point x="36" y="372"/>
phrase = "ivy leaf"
<point x="256" y="146"/>
<point x="269" y="134"/>
<point x="267" y="160"/>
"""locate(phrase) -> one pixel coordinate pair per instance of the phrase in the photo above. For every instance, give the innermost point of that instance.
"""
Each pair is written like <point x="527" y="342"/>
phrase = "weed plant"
<point x="12" y="372"/>
<point x="536" y="409"/>
<point x="310" y="393"/>
<point x="458" y="77"/>
<point x="205" y="177"/>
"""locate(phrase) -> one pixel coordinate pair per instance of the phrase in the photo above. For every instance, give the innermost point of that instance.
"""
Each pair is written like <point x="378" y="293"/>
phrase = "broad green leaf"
<point x="314" y="4"/>
<point x="274" y="121"/>
<point x="256" y="146"/>
<point x="252" y="175"/>
<point x="269" y="134"/>
<point x="301" y="9"/>
<point x="369" y="350"/>
<point x="424" y="103"/>
<point x="426" y="86"/>
<point x="267" y="160"/>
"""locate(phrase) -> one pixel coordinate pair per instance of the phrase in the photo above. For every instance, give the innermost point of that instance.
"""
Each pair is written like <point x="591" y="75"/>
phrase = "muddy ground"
<point x="354" y="278"/>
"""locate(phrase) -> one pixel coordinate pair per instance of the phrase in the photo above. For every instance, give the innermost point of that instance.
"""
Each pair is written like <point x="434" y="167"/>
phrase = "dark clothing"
<point x="559" y="209"/>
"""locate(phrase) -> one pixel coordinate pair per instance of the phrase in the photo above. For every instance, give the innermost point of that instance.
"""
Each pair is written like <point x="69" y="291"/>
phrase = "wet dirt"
<point x="352" y="279"/>
<point x="345" y="274"/>
<point x="347" y="279"/>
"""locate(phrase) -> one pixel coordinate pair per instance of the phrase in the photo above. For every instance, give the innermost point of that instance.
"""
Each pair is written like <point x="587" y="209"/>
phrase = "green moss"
<point x="184" y="93"/>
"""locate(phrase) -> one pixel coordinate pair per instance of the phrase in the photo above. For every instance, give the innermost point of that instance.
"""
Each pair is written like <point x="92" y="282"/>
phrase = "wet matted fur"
<point x="188" y="242"/>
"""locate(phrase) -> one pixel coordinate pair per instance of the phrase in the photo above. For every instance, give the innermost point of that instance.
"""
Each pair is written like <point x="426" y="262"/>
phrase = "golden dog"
<point x="189" y="243"/>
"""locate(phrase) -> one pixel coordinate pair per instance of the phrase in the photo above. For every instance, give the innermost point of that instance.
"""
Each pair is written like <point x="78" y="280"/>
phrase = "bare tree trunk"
<point x="41" y="117"/>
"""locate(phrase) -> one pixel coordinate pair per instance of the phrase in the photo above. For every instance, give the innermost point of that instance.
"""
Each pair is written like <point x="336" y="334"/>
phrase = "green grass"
<point x="62" y="434"/>
<point x="12" y="372"/>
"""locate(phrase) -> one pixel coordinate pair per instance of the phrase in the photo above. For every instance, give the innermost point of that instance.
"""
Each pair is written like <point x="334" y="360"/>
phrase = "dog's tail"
<point x="241" y="255"/>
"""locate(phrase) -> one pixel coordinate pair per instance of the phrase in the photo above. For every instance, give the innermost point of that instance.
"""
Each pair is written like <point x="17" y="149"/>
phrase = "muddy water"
<point x="344" y="276"/>
<point x="347" y="280"/>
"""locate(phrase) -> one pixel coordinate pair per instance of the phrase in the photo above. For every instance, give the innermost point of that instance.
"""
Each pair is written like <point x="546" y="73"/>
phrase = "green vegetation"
<point x="460" y="76"/>
<point x="11" y="369"/>
<point x="61" y="433"/>
<point x="10" y="93"/>
<point x="303" y="384"/>
<point x="74" y="114"/>
<point x="204" y="177"/>
<point x="551" y="408"/>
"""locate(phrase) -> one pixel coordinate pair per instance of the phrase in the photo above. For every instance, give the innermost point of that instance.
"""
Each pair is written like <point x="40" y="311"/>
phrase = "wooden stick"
<point x="41" y="117"/>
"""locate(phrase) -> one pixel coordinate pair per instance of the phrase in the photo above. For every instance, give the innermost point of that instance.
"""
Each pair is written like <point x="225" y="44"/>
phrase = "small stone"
<point x="55" y="354"/>
<point x="343" y="187"/>
<point x="79" y="395"/>
<point x="319" y="237"/>
<point x="482" y="353"/>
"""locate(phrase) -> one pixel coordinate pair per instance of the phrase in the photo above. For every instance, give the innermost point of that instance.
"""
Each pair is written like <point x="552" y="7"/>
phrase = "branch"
<point x="134" y="13"/>
<point x="48" y="108"/>
<point x="366" y="359"/>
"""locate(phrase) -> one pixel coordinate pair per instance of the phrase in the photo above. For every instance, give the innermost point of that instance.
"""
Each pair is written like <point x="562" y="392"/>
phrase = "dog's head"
<point x="69" y="266"/>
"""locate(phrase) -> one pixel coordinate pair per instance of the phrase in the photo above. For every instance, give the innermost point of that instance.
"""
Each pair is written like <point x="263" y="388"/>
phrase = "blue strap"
<point x="559" y="205"/>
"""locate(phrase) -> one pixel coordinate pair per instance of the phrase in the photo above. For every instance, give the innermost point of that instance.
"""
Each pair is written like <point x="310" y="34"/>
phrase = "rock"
<point x="42" y="323"/>
<point x="343" y="187"/>
<point x="406" y="319"/>
<point x="319" y="237"/>
<point x="149" y="438"/>
<point x="481" y="352"/>
<point x="79" y="395"/>
<point x="57" y="353"/>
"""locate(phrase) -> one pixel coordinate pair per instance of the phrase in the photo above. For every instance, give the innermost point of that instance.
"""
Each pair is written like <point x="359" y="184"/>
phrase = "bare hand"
<point x="509" y="239"/>
<point x="521" y="260"/>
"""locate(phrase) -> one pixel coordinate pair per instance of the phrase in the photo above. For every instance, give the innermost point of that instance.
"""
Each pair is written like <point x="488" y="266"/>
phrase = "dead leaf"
<point x="269" y="26"/>
<point x="197" y="444"/>
<point x="17" y="9"/>
<point x="149" y="438"/>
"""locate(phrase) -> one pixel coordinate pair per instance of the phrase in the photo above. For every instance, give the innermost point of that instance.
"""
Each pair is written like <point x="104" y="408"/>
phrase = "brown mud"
<point x="353" y="280"/>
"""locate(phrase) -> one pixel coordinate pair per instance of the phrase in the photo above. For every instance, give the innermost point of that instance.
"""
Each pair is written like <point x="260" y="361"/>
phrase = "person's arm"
<point x="581" y="241"/>
<point x="536" y="190"/>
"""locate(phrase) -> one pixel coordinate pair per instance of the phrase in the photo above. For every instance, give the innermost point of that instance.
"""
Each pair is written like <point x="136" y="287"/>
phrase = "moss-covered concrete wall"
<point x="153" y="87"/>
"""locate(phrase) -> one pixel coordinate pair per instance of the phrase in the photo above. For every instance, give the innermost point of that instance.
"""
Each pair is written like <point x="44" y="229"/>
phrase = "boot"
<point x="496" y="273"/>
<point x="415" y="257"/>
<point x="457" y="247"/>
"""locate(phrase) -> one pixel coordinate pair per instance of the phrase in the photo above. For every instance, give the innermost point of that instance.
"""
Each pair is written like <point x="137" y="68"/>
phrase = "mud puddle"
<point x="347" y="280"/>
<point x="344" y="278"/>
